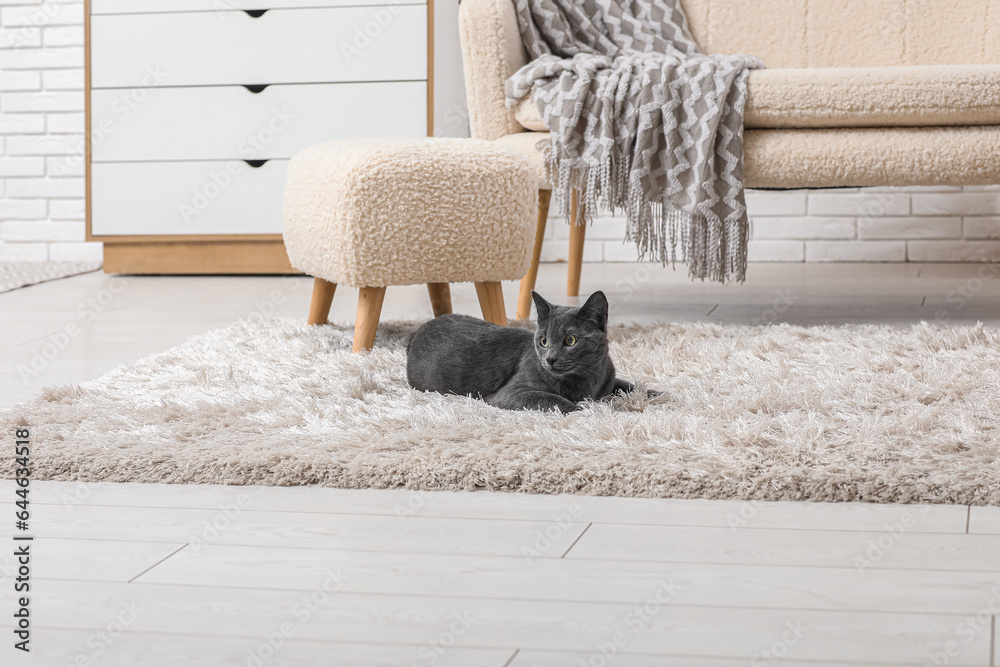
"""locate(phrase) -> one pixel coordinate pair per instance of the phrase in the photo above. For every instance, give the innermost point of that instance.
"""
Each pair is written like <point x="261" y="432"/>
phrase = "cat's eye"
<point x="543" y="341"/>
<point x="570" y="340"/>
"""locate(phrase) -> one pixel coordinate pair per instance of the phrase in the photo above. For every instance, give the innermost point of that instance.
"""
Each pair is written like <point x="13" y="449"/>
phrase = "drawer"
<point x="226" y="122"/>
<point x="281" y="46"/>
<point x="213" y="197"/>
<point x="147" y="6"/>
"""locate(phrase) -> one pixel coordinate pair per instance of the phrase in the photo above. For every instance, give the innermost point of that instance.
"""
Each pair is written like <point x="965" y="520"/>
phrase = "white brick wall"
<point x="42" y="169"/>
<point x="920" y="224"/>
<point x="41" y="131"/>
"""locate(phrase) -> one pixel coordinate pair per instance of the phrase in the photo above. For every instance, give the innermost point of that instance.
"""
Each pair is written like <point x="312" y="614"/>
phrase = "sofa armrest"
<point x="491" y="52"/>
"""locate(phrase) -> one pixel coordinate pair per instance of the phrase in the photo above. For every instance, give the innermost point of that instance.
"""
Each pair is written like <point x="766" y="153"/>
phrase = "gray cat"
<point x="563" y="362"/>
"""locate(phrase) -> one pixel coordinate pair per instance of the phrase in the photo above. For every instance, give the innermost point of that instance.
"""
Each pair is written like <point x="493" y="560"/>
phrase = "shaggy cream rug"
<point x="774" y="413"/>
<point x="14" y="275"/>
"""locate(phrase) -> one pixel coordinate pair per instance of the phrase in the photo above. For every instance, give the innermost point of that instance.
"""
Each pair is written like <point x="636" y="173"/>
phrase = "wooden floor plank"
<point x="307" y="530"/>
<point x="745" y="586"/>
<point x="594" y="658"/>
<point x="886" y="549"/>
<point x="143" y="649"/>
<point x="652" y="627"/>
<point x="984" y="520"/>
<point x="88" y="560"/>
<point x="737" y="515"/>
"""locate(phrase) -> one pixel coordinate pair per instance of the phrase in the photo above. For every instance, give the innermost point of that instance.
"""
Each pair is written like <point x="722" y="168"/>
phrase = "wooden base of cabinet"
<point x="198" y="257"/>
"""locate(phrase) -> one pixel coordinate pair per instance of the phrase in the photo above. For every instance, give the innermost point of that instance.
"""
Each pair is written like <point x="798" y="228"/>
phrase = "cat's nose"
<point x="551" y="359"/>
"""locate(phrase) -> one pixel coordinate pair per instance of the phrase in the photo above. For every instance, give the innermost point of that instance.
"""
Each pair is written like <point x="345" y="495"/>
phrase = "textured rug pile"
<point x="14" y="275"/>
<point x="774" y="413"/>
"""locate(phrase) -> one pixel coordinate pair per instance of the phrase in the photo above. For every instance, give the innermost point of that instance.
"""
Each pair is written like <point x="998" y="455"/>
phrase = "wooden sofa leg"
<point x="366" y="323"/>
<point x="577" y="235"/>
<point x="491" y="301"/>
<point x="322" y="297"/>
<point x="440" y="298"/>
<point x="528" y="281"/>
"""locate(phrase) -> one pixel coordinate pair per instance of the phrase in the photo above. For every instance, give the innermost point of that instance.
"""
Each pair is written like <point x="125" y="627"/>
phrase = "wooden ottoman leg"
<point x="491" y="301"/>
<point x="528" y="281"/>
<point x="440" y="298"/>
<point x="366" y="323"/>
<point x="322" y="297"/>
<point x="577" y="234"/>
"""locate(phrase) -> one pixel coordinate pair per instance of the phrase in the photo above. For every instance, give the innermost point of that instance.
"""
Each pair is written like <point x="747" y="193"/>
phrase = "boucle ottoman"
<point x="374" y="213"/>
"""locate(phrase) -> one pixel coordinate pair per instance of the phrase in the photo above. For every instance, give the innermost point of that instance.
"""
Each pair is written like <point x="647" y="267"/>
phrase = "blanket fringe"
<point x="714" y="249"/>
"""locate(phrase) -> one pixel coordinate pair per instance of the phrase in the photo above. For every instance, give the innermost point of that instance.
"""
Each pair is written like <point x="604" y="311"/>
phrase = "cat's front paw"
<point x="622" y="388"/>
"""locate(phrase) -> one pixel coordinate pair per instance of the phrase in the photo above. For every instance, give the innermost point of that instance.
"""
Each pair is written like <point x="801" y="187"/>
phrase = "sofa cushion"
<point x="860" y="97"/>
<point x="872" y="156"/>
<point x="849" y="33"/>
<point x="845" y="157"/>
<point x="532" y="145"/>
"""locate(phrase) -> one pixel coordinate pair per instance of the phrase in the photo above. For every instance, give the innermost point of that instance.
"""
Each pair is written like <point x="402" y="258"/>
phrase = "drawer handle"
<point x="256" y="13"/>
<point x="256" y="164"/>
<point x="256" y="88"/>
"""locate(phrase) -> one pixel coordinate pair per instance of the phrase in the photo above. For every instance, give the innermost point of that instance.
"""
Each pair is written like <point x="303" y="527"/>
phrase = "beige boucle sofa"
<point x="857" y="92"/>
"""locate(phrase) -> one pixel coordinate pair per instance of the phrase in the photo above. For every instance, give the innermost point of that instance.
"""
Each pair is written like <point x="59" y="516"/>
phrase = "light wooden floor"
<point x="180" y="575"/>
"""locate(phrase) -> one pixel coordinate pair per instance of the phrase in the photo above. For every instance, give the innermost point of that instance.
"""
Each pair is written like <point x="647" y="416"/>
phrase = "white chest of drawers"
<point x="195" y="106"/>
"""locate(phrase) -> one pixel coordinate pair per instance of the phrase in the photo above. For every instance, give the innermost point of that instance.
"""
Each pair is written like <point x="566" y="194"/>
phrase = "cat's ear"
<point x="542" y="307"/>
<point x="596" y="310"/>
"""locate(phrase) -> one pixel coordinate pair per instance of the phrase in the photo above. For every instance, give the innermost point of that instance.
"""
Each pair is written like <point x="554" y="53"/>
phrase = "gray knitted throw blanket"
<point x="641" y="121"/>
